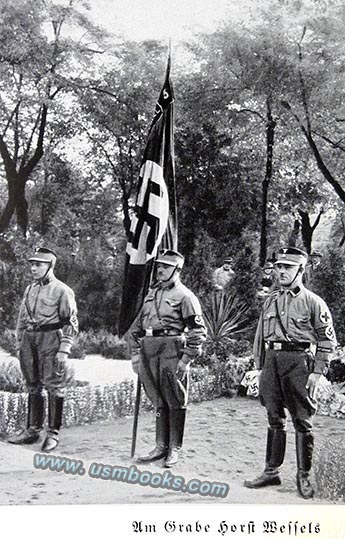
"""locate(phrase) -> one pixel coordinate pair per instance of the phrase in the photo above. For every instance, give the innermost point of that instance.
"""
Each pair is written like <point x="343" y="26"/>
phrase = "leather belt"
<point x="44" y="327"/>
<point x="150" y="332"/>
<point x="287" y="346"/>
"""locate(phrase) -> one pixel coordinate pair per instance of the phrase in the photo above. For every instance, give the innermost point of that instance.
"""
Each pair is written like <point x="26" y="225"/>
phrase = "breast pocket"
<point x="49" y="307"/>
<point x="172" y="308"/>
<point x="268" y="324"/>
<point x="302" y="321"/>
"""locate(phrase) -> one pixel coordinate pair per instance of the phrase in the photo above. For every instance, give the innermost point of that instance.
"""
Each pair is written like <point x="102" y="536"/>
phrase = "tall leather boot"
<point x="55" y="407"/>
<point x="304" y="454"/>
<point x="162" y="437"/>
<point x="275" y="452"/>
<point x="177" y="423"/>
<point x="35" y="420"/>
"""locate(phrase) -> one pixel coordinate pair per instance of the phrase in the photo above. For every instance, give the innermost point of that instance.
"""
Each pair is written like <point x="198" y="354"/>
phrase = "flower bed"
<point x="87" y="404"/>
<point x="331" y="400"/>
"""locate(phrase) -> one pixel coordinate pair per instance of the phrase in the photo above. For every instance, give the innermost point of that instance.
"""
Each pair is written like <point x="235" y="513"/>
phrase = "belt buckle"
<point x="149" y="332"/>
<point x="277" y="346"/>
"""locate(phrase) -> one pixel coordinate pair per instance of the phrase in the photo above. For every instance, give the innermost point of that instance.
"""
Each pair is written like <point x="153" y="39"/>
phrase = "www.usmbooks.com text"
<point x="131" y="475"/>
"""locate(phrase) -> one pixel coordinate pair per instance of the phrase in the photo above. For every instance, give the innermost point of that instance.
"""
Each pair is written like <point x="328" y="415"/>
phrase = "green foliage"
<point x="225" y="316"/>
<point x="8" y="341"/>
<point x="331" y="400"/>
<point x="87" y="404"/>
<point x="11" y="378"/>
<point x="329" y="469"/>
<point x="329" y="283"/>
<point x="99" y="342"/>
<point x="225" y="376"/>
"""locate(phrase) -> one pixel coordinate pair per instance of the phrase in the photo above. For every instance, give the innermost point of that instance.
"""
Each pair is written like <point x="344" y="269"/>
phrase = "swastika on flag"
<point x="151" y="218"/>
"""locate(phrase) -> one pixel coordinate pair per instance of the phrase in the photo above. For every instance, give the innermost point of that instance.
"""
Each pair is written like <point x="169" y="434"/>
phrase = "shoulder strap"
<point x="283" y="328"/>
<point x="26" y="301"/>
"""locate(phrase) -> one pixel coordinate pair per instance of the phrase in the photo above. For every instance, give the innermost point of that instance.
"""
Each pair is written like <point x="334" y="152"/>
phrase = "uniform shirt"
<point x="306" y="319"/>
<point x="222" y="277"/>
<point x="49" y="302"/>
<point x="173" y="308"/>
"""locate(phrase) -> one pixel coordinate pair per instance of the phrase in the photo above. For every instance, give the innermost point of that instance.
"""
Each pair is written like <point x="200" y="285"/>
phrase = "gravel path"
<point x="224" y="442"/>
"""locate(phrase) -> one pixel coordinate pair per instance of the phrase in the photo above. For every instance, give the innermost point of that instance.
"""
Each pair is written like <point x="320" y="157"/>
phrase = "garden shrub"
<point x="87" y="404"/>
<point x="8" y="340"/>
<point x="329" y="469"/>
<point x="331" y="270"/>
<point x="99" y="342"/>
<point x="11" y="378"/>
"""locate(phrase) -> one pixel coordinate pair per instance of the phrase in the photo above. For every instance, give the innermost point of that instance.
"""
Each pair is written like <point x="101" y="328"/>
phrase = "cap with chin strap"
<point x="170" y="258"/>
<point x="291" y="256"/>
<point x="43" y="254"/>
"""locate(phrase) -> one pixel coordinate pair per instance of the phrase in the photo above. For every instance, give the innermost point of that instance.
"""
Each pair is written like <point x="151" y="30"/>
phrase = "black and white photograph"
<point x="172" y="267"/>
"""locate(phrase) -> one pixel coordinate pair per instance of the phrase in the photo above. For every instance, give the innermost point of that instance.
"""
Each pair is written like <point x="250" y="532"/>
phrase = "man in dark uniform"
<point x="166" y="336"/>
<point x="293" y="344"/>
<point x="47" y="324"/>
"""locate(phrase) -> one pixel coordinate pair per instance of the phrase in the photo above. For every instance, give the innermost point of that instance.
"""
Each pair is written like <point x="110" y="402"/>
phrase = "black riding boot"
<point x="162" y="437"/>
<point x="177" y="422"/>
<point x="304" y="453"/>
<point x="275" y="452"/>
<point x="55" y="407"/>
<point x="35" y="420"/>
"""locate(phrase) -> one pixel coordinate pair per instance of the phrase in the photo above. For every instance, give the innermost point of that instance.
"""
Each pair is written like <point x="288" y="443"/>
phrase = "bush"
<point x="225" y="316"/>
<point x="99" y="342"/>
<point x="226" y="377"/>
<point x="329" y="469"/>
<point x="11" y="378"/>
<point x="97" y="403"/>
<point x="8" y="340"/>
<point x="331" y="270"/>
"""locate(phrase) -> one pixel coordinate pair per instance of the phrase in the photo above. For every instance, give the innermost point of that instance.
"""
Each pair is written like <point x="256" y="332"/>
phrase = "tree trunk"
<point x="22" y="207"/>
<point x="294" y="233"/>
<point x="16" y="204"/>
<point x="308" y="229"/>
<point x="270" y="127"/>
<point x="126" y="216"/>
<point x="8" y="211"/>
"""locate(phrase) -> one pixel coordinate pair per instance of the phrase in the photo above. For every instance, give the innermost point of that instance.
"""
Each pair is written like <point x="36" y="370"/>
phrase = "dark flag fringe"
<point x="154" y="221"/>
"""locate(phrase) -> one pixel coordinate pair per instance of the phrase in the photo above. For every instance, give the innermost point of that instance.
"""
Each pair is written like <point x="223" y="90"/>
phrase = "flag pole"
<point x="136" y="416"/>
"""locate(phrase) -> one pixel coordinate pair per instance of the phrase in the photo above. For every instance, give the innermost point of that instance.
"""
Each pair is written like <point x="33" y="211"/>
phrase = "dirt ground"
<point x="224" y="442"/>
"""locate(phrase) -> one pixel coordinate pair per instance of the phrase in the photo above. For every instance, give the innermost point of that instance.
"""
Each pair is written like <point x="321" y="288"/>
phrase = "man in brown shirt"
<point x="166" y="336"/>
<point x="293" y="344"/>
<point x="47" y="324"/>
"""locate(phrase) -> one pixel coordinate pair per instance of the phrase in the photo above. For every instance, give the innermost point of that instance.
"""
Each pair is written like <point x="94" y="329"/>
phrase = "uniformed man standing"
<point x="166" y="336"/>
<point x="293" y="343"/>
<point x="223" y="276"/>
<point x="47" y="324"/>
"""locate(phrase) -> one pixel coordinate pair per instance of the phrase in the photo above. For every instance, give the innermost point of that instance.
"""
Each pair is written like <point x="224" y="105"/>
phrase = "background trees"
<point x="258" y="141"/>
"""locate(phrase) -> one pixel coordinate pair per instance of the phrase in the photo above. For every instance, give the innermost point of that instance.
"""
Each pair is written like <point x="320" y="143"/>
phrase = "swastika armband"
<point x="195" y="321"/>
<point x="329" y="332"/>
